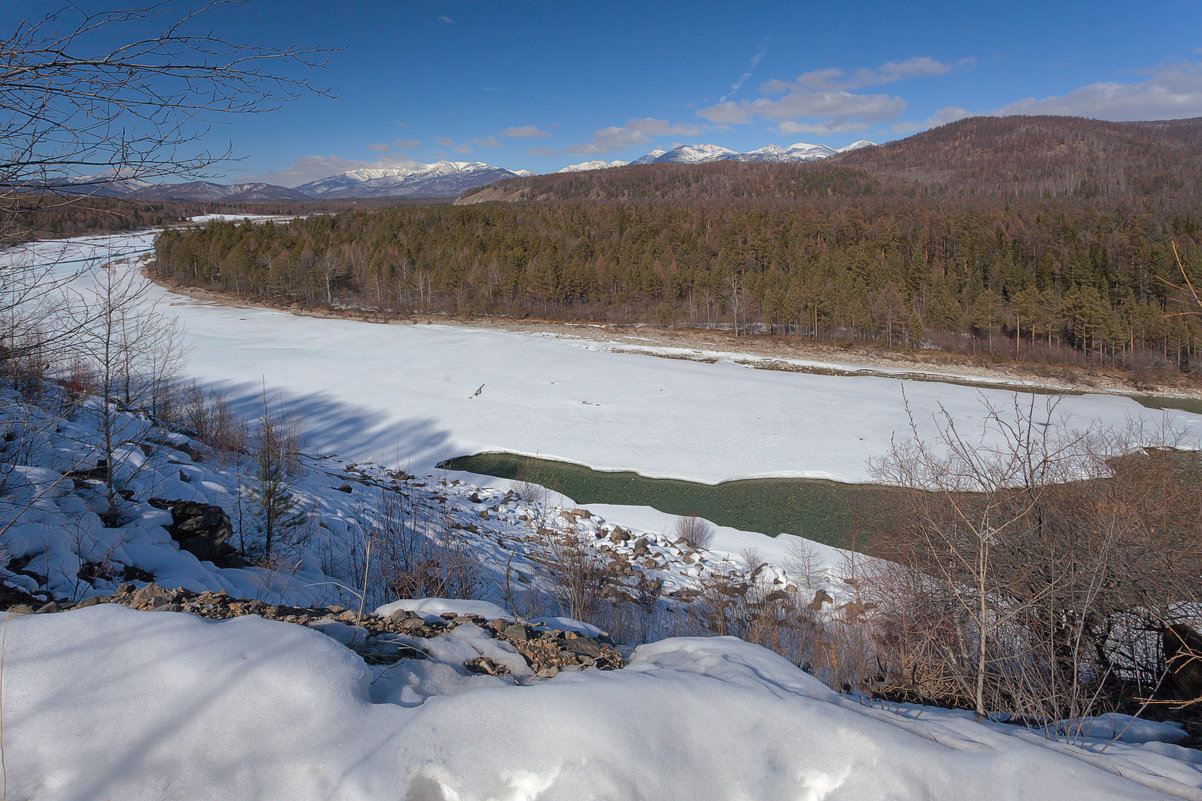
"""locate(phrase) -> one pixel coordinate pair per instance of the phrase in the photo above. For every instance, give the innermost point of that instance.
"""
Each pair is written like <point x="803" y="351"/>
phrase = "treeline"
<point x="27" y="216"/>
<point x="33" y="216"/>
<point x="1063" y="280"/>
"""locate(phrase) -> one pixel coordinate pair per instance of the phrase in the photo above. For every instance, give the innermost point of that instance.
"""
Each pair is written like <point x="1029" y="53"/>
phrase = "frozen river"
<point x="417" y="394"/>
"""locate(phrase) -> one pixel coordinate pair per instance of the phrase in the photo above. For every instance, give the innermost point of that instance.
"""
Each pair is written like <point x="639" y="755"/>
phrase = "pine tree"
<point x="275" y="450"/>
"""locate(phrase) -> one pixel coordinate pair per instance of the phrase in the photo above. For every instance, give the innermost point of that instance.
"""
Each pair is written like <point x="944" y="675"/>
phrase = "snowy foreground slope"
<point x="110" y="703"/>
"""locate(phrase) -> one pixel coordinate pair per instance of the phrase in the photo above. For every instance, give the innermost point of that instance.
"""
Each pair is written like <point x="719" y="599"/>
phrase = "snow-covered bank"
<point x="109" y="702"/>
<point x="417" y="395"/>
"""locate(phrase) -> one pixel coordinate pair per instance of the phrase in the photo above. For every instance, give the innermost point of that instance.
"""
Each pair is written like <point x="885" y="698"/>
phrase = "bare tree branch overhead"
<point x="132" y="93"/>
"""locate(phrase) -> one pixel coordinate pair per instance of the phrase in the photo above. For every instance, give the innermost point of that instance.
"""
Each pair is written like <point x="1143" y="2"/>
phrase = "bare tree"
<point x="129" y="347"/>
<point x="96" y="101"/>
<point x="128" y="94"/>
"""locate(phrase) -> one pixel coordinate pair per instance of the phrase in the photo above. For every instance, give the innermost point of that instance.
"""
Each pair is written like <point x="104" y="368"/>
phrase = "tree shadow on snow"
<point x="331" y="426"/>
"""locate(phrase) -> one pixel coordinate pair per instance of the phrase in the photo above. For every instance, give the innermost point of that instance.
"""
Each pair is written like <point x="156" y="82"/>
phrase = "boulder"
<point x="1183" y="655"/>
<point x="821" y="598"/>
<point x="583" y="646"/>
<point x="200" y="528"/>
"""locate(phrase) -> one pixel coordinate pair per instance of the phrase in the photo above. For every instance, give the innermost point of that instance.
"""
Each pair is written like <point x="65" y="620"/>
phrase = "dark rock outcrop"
<point x="201" y="529"/>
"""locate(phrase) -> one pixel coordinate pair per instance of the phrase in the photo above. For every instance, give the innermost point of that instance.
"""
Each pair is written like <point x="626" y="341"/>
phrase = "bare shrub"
<point x="417" y="559"/>
<point x="211" y="419"/>
<point x="803" y="561"/>
<point x="1024" y="574"/>
<point x="529" y="491"/>
<point x="578" y="573"/>
<point x="694" y="531"/>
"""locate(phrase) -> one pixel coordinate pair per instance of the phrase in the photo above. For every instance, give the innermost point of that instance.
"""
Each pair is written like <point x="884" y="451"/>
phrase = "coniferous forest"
<point x="1052" y="242"/>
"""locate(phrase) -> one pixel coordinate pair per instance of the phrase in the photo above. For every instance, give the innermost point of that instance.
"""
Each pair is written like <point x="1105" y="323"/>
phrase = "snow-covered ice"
<point x="408" y="394"/>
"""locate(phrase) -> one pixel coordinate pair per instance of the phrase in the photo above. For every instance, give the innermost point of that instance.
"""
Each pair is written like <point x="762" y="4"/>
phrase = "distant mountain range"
<point x="442" y="179"/>
<point x="701" y="154"/>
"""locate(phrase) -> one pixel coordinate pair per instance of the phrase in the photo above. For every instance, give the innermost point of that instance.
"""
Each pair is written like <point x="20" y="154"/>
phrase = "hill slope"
<point x="1041" y="157"/>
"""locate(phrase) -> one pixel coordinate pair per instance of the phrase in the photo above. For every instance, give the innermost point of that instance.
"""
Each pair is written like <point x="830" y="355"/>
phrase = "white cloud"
<point x="751" y="65"/>
<point x="452" y="145"/>
<point x="636" y="131"/>
<point x="790" y="127"/>
<point x="607" y="140"/>
<point x="941" y="117"/>
<point x="542" y="151"/>
<point x="654" y="127"/>
<point x="447" y="20"/>
<point x="486" y="141"/>
<point x="834" y="79"/>
<point x="399" y="144"/>
<point x="310" y="168"/>
<point x="1169" y="92"/>
<point x="727" y="113"/>
<point x="524" y="132"/>
<point x="821" y="101"/>
<point x="831" y="108"/>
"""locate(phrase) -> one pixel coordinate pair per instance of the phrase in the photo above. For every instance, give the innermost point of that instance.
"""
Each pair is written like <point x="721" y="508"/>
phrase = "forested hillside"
<point x="1059" y="259"/>
<point x="25" y="216"/>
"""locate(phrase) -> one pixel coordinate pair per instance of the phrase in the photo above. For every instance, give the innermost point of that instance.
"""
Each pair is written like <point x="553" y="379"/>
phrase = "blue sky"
<point x="538" y="85"/>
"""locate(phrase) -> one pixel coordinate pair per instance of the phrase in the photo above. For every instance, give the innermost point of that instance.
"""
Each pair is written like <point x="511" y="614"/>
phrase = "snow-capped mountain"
<point x="702" y="154"/>
<point x="696" y="154"/>
<point x="651" y="157"/>
<point x="440" y="179"/>
<point x="593" y="165"/>
<point x="856" y="145"/>
<point x="443" y="178"/>
<point x="205" y="191"/>
<point x="801" y="151"/>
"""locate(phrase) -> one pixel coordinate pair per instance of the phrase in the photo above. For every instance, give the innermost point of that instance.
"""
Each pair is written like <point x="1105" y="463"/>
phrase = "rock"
<point x="151" y="596"/>
<point x="641" y="547"/>
<point x="200" y="528"/>
<point x="583" y="514"/>
<point x="619" y="534"/>
<point x="346" y="488"/>
<point x="91" y="600"/>
<point x="484" y="665"/>
<point x="1183" y="655"/>
<point x="584" y="646"/>
<point x="821" y="597"/>
<point x="852" y="610"/>
<point x="517" y="632"/>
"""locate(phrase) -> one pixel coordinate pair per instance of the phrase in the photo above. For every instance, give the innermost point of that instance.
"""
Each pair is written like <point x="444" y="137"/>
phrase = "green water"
<point x="825" y="511"/>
